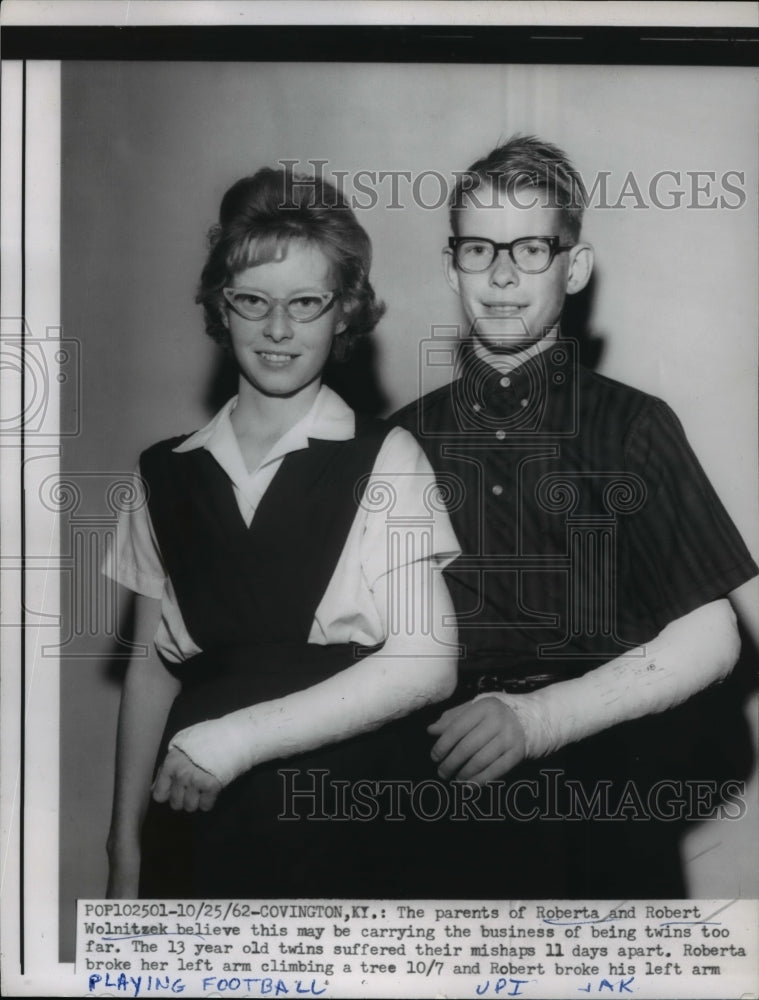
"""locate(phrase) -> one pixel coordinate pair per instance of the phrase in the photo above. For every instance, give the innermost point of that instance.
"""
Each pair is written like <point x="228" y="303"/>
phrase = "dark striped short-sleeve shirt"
<point x="585" y="520"/>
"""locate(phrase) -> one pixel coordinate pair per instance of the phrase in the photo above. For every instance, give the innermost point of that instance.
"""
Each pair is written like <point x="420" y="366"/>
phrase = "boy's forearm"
<point x="687" y="656"/>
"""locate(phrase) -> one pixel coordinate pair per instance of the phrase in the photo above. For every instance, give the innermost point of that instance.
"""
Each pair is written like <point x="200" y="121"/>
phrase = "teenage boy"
<point x="589" y="534"/>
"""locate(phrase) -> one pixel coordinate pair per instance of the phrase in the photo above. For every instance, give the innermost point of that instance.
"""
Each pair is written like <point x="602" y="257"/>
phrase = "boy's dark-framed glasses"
<point x="530" y="254"/>
<point x="304" y="307"/>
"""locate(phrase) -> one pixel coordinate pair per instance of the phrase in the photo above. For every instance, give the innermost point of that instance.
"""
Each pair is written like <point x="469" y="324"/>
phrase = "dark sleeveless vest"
<point x="248" y="596"/>
<point x="236" y="584"/>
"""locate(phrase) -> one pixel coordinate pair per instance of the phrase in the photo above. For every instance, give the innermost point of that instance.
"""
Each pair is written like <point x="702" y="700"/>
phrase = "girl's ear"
<point x="345" y="306"/>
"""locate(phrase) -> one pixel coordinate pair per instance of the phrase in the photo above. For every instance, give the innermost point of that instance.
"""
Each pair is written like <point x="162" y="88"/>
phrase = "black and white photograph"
<point x="380" y="472"/>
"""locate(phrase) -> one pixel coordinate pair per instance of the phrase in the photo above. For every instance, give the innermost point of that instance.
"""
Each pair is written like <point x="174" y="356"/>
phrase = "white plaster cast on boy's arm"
<point x="687" y="656"/>
<point x="409" y="672"/>
<point x="745" y="601"/>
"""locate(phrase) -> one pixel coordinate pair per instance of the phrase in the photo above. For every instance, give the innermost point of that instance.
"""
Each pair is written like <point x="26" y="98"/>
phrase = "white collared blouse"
<point x="399" y="497"/>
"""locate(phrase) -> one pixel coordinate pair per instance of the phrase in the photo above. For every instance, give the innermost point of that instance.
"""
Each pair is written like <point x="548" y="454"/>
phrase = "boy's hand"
<point x="184" y="785"/>
<point x="479" y="741"/>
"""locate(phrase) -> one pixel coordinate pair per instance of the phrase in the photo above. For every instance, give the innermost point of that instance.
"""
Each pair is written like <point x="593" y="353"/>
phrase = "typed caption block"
<point x="238" y="948"/>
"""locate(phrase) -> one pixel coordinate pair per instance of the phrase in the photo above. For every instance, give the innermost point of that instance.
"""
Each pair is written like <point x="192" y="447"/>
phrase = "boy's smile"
<point x="509" y="310"/>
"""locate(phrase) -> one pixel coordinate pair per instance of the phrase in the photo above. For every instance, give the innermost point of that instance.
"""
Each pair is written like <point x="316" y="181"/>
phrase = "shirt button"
<point x="524" y="402"/>
<point x="497" y="490"/>
<point x="500" y="435"/>
<point x="505" y="381"/>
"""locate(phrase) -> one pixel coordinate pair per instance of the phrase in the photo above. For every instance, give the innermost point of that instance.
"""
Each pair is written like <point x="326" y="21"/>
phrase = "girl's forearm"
<point x="409" y="672"/>
<point x="148" y="692"/>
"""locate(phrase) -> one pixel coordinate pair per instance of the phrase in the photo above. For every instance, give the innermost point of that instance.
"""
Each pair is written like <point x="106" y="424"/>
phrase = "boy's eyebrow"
<point x="488" y="239"/>
<point x="529" y="236"/>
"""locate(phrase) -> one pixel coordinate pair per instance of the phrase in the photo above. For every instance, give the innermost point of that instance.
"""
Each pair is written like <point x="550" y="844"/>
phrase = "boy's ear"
<point x="450" y="270"/>
<point x="580" y="267"/>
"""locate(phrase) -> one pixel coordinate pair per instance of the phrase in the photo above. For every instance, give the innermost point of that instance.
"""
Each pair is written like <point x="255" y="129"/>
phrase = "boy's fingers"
<point x="467" y="747"/>
<point x="455" y="730"/>
<point x="479" y="761"/>
<point x="502" y="765"/>
<point x="445" y="720"/>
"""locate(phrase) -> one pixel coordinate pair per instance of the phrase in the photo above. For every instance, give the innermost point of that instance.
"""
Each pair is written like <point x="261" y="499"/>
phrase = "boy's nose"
<point x="503" y="270"/>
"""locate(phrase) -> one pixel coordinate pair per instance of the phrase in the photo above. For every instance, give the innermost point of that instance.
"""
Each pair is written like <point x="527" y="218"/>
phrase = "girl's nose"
<point x="278" y="323"/>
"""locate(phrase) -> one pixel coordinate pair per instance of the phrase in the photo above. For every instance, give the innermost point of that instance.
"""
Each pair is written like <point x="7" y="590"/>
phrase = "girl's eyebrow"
<point x="299" y="291"/>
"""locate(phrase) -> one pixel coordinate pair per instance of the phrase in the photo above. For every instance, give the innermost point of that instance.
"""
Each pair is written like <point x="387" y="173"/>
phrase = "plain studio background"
<point x="148" y="150"/>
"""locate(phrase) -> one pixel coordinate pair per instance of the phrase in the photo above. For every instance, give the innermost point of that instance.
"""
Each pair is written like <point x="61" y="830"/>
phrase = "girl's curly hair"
<point x="258" y="218"/>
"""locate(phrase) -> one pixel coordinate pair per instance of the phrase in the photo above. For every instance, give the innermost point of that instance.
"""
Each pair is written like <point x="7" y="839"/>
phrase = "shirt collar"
<point x="500" y="374"/>
<point x="507" y="363"/>
<point x="330" y="418"/>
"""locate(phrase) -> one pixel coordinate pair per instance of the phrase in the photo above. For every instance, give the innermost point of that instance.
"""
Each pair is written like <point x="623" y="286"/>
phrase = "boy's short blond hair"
<point x="525" y="162"/>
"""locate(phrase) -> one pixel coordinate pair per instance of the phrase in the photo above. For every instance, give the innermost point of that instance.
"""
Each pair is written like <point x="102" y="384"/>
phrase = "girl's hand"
<point x="479" y="741"/>
<point x="184" y="785"/>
